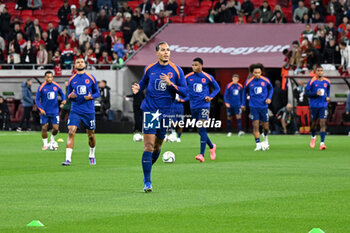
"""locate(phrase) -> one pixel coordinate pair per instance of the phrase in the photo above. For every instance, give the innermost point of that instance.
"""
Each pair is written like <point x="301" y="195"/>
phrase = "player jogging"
<point x="198" y="84"/>
<point x="46" y="100"/>
<point x="233" y="102"/>
<point x="82" y="90"/>
<point x="259" y="90"/>
<point x="162" y="80"/>
<point x="318" y="90"/>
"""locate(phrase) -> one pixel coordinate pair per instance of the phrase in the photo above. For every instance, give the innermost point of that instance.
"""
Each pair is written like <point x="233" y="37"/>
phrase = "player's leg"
<point x="229" y="122"/>
<point x="264" y="117"/>
<point x="55" y="120"/>
<point x="156" y="149"/>
<point x="149" y="143"/>
<point x="239" y="124"/>
<point x="323" y="125"/>
<point x="256" y="134"/>
<point x="72" y="129"/>
<point x="179" y="133"/>
<point x="44" y="135"/>
<point x="314" y="117"/>
<point x="92" y="145"/>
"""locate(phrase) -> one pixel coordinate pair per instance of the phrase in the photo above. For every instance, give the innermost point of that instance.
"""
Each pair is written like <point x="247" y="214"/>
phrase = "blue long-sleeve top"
<point x="233" y="94"/>
<point x="314" y="86"/>
<point x="198" y="87"/>
<point x="259" y="90"/>
<point x="83" y="85"/>
<point x="46" y="97"/>
<point x="160" y="96"/>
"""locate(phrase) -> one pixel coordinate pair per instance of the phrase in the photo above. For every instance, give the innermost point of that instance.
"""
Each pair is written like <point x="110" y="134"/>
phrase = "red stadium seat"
<point x="337" y="117"/>
<point x="190" y="19"/>
<point x="176" y="19"/>
<point x="331" y="18"/>
<point x="133" y="4"/>
<point x="19" y="114"/>
<point x="206" y="4"/>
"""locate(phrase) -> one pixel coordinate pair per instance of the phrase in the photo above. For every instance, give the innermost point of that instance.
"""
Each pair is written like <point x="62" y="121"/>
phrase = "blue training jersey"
<point x="198" y="88"/>
<point x="313" y="86"/>
<point x="258" y="90"/>
<point x="83" y="85"/>
<point x="233" y="94"/>
<point x="46" y="97"/>
<point x="160" y="96"/>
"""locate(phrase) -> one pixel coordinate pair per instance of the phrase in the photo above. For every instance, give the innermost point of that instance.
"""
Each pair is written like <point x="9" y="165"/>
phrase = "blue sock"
<point x="239" y="124"/>
<point x="203" y="138"/>
<point x="313" y="132"/>
<point x="179" y="134"/>
<point x="209" y="142"/>
<point x="147" y="165"/>
<point x="155" y="156"/>
<point x="229" y="126"/>
<point x="257" y="140"/>
<point x="323" y="135"/>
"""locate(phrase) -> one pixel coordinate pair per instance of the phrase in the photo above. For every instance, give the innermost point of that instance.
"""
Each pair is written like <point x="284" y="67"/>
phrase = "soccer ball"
<point x="168" y="157"/>
<point x="172" y="138"/>
<point x="53" y="146"/>
<point x="137" y="137"/>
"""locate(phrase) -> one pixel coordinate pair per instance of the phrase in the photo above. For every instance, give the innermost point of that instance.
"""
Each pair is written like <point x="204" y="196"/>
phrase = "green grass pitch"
<point x="288" y="189"/>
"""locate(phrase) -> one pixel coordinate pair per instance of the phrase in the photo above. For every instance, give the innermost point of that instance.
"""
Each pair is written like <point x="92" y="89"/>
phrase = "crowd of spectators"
<point x="106" y="32"/>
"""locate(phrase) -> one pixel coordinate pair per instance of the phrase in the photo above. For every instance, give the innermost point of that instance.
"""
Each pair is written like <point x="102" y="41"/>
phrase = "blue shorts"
<point x="49" y="118"/>
<point x="259" y="114"/>
<point x="234" y="110"/>
<point x="178" y="115"/>
<point x="88" y="120"/>
<point x="319" y="113"/>
<point x="158" y="126"/>
<point x="200" y="113"/>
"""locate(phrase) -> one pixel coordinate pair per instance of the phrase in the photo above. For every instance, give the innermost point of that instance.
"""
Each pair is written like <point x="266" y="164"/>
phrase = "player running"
<point x="162" y="80"/>
<point x="318" y="90"/>
<point x="259" y="90"/>
<point x="82" y="90"/>
<point x="46" y="100"/>
<point x="198" y="84"/>
<point x="233" y="102"/>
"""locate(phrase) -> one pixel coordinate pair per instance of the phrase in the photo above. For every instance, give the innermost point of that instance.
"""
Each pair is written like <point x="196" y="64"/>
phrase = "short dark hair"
<point x="48" y="72"/>
<point x="198" y="59"/>
<point x="256" y="66"/>
<point x="159" y="44"/>
<point x="295" y="42"/>
<point x="104" y="81"/>
<point x="342" y="42"/>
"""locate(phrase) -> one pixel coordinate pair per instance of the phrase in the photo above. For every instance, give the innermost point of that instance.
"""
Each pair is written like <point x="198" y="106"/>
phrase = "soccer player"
<point x="162" y="80"/>
<point x="46" y="100"/>
<point x="233" y="102"/>
<point x="260" y="91"/>
<point x="178" y="112"/>
<point x="82" y="90"/>
<point x="318" y="90"/>
<point x="198" y="85"/>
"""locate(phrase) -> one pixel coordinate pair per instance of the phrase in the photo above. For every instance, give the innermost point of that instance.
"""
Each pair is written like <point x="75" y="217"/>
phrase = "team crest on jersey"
<point x="262" y="84"/>
<point x="170" y="74"/>
<point x="203" y="80"/>
<point x="197" y="87"/>
<point x="87" y="81"/>
<point x="55" y="88"/>
<point x="325" y="84"/>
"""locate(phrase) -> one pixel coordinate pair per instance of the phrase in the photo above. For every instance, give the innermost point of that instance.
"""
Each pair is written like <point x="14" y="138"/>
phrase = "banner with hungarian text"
<point x="223" y="45"/>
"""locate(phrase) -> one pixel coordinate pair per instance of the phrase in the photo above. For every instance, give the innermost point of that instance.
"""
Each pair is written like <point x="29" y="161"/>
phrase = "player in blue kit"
<point x="233" y="102"/>
<point x="46" y="100"/>
<point x="318" y="90"/>
<point x="178" y="113"/>
<point x="162" y="80"/>
<point x="259" y="90"/>
<point x="82" y="91"/>
<point x="198" y="84"/>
